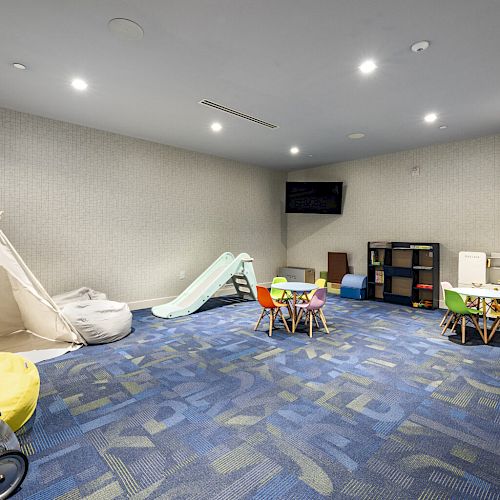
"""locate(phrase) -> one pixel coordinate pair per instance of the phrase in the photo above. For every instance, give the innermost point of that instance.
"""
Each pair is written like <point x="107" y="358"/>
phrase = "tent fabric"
<point x="78" y="295"/>
<point x="30" y="321"/>
<point x="20" y="389"/>
<point x="100" y="321"/>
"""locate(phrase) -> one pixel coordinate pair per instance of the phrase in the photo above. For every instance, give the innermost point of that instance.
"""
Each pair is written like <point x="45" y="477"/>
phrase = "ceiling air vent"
<point x="220" y="107"/>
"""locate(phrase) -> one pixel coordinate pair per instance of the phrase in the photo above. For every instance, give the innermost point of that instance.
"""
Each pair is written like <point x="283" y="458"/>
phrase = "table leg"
<point x="294" y="311"/>
<point x="485" y="323"/>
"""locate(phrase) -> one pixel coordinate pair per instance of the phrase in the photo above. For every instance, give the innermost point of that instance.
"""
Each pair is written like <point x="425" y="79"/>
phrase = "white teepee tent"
<point x="31" y="324"/>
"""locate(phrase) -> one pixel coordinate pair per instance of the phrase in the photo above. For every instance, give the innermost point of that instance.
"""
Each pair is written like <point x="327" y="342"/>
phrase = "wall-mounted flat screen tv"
<point x="314" y="197"/>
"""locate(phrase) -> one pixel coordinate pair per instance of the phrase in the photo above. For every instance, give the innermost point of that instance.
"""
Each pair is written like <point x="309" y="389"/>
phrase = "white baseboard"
<point x="148" y="303"/>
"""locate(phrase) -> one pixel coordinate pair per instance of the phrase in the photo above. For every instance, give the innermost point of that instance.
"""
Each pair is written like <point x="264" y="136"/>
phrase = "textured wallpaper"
<point x="455" y="201"/>
<point x="126" y="216"/>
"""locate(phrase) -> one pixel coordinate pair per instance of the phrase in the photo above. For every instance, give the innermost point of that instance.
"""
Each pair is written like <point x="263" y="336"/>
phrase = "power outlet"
<point x="182" y="275"/>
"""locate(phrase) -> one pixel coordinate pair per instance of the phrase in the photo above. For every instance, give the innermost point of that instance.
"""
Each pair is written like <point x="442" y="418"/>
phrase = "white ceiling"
<point x="289" y="62"/>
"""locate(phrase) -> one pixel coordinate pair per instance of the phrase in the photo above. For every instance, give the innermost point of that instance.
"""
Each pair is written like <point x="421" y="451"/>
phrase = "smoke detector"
<point x="418" y="47"/>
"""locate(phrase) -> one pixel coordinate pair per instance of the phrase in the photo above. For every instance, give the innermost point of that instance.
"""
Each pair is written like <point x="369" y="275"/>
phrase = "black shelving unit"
<point x="404" y="273"/>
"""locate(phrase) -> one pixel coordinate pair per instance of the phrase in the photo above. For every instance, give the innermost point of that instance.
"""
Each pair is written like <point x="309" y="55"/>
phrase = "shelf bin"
<point x="402" y="272"/>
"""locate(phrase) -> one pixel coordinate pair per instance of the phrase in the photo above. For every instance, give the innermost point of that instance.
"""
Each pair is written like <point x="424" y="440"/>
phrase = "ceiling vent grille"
<point x="220" y="107"/>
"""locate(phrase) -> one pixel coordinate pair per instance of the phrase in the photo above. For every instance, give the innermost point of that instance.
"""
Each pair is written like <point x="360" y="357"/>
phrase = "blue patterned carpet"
<point x="204" y="407"/>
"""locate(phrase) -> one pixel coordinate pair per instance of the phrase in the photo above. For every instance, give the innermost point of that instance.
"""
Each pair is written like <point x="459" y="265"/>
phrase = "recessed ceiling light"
<point x="19" y="65"/>
<point x="356" y="135"/>
<point x="294" y="150"/>
<point x="431" y="117"/>
<point x="443" y="127"/>
<point x="79" y="84"/>
<point x="368" y="66"/>
<point x="125" y="29"/>
<point x="420" y="46"/>
<point x="216" y="127"/>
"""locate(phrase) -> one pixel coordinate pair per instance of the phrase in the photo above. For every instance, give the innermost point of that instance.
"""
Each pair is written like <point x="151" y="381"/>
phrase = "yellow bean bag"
<point x="19" y="388"/>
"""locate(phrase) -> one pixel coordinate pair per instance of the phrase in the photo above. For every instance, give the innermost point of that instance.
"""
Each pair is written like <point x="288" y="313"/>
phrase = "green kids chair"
<point x="460" y="311"/>
<point x="277" y="294"/>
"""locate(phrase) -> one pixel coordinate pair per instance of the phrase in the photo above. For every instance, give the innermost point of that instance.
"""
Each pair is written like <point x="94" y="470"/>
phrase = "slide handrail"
<point x="215" y="264"/>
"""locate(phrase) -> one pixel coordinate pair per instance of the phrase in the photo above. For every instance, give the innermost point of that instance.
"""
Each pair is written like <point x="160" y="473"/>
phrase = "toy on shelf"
<point x="423" y="304"/>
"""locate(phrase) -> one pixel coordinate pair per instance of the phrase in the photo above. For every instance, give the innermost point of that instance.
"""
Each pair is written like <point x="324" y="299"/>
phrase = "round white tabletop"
<point x="295" y="286"/>
<point x="486" y="293"/>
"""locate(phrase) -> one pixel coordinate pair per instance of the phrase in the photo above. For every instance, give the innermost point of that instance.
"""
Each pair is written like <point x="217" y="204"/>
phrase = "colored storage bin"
<point x="353" y="286"/>
<point x="333" y="288"/>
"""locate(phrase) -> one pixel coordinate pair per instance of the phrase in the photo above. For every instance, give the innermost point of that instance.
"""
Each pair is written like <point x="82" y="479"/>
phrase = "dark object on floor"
<point x="472" y="338"/>
<point x="13" y="463"/>
<point x="224" y="300"/>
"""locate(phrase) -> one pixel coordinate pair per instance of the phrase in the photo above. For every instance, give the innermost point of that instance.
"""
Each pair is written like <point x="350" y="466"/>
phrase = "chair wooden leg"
<point x="310" y="324"/>
<point x="476" y="324"/>
<point x="315" y="318"/>
<point x="275" y="317"/>
<point x="463" y="329"/>
<point x="260" y="319"/>
<point x="323" y="320"/>
<point x="455" y="323"/>
<point x="284" y="320"/>
<point x="450" y="319"/>
<point x="494" y="328"/>
<point x="444" y="318"/>
<point x="299" y="317"/>
<point x="473" y="303"/>
<point x="271" y="322"/>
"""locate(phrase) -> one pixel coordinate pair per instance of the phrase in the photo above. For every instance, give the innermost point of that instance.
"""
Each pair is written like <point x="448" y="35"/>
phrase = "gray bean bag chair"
<point x="83" y="293"/>
<point x="99" y="321"/>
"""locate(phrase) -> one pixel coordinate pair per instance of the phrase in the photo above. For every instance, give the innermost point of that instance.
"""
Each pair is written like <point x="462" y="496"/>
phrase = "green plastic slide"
<point x="227" y="267"/>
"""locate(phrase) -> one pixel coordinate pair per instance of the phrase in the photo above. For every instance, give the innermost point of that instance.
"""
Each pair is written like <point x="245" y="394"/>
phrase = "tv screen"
<point x="314" y="197"/>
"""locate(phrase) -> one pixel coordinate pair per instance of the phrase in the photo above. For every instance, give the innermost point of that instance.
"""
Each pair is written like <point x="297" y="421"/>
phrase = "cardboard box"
<point x="301" y="274"/>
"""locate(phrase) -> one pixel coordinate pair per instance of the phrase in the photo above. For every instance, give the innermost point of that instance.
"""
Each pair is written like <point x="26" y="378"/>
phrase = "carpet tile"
<point x="204" y="407"/>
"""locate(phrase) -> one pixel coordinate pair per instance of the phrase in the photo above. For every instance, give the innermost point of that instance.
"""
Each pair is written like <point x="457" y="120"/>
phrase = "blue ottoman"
<point x="353" y="286"/>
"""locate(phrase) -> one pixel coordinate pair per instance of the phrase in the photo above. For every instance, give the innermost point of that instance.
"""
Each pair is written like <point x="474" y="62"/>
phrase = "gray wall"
<point x="86" y="207"/>
<point x="454" y="201"/>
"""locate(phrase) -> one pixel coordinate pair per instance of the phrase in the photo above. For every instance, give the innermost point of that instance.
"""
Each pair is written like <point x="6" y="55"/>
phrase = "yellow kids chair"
<point x="320" y="283"/>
